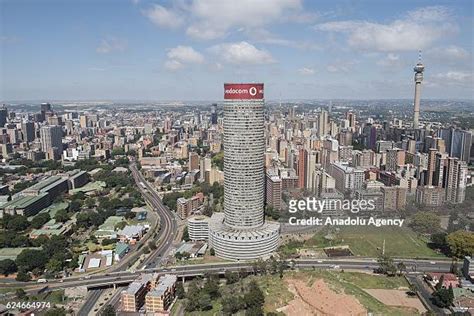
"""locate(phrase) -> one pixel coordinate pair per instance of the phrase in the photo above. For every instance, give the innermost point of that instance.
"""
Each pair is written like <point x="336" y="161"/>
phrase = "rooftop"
<point x="23" y="201"/>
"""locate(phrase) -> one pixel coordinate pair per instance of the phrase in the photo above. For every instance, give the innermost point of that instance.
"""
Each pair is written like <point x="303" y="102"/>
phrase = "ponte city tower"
<point x="241" y="233"/>
<point x="419" y="68"/>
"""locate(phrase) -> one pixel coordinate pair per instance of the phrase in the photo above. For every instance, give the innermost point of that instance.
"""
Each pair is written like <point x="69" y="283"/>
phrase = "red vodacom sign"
<point x="243" y="91"/>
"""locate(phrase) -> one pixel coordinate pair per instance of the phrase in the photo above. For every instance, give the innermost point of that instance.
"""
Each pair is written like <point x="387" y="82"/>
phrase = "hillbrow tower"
<point x="241" y="233"/>
<point x="419" y="68"/>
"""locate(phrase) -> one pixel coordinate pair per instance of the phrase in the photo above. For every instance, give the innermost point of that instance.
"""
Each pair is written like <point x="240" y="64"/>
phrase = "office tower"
<point x="323" y="182"/>
<point x="323" y="123"/>
<point x="302" y="163"/>
<point x="205" y="165"/>
<point x="313" y="160"/>
<point x="347" y="179"/>
<point x="45" y="109"/>
<point x="214" y="114"/>
<point x="351" y="117"/>
<point x="83" y="121"/>
<point x="419" y="68"/>
<point x="28" y="131"/>
<point x="241" y="233"/>
<point x="431" y="165"/>
<point x="440" y="169"/>
<point x="456" y="180"/>
<point x="3" y="116"/>
<point x="51" y="138"/>
<point x="457" y="142"/>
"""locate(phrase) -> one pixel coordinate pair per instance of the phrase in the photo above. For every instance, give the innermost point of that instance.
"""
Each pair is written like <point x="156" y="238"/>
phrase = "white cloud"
<point x="454" y="77"/>
<point x="111" y="45"/>
<point x="341" y="66"/>
<point x="214" y="18"/>
<point x="173" y="65"/>
<point x="185" y="54"/>
<point x="306" y="71"/>
<point x="261" y="35"/>
<point x="164" y="17"/>
<point x="181" y="56"/>
<point x="242" y="53"/>
<point x="432" y="13"/>
<point x="451" y="52"/>
<point x="417" y="30"/>
<point x="391" y="60"/>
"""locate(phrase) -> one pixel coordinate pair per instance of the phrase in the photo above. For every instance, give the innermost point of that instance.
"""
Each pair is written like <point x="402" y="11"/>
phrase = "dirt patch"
<point x="397" y="298"/>
<point x="319" y="299"/>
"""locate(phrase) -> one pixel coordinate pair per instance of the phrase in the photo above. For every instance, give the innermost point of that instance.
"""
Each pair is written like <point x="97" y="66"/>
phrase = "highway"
<point x="164" y="239"/>
<point x="168" y="225"/>
<point x="125" y="277"/>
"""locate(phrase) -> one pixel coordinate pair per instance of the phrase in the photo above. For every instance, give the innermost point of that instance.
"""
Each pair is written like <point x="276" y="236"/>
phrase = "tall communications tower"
<point x="419" y="68"/>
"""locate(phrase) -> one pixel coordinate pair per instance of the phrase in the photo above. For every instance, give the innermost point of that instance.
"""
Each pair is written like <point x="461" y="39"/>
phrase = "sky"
<point x="186" y="49"/>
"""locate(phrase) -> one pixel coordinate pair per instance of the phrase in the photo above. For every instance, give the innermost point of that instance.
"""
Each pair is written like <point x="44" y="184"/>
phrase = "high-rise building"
<point x="456" y="180"/>
<point x="302" y="164"/>
<point x="214" y="114"/>
<point x="51" y="139"/>
<point x="458" y="142"/>
<point x="323" y="123"/>
<point x="351" y="117"/>
<point x="419" y="68"/>
<point x="3" y="116"/>
<point x="28" y="131"/>
<point x="193" y="162"/>
<point x="45" y="110"/>
<point x="395" y="158"/>
<point x="241" y="233"/>
<point x="273" y="192"/>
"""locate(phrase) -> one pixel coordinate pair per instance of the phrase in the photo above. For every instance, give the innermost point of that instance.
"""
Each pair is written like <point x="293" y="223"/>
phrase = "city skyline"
<point x="299" y="49"/>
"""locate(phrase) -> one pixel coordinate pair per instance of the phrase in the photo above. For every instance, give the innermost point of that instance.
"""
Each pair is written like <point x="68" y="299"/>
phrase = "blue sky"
<point x="187" y="49"/>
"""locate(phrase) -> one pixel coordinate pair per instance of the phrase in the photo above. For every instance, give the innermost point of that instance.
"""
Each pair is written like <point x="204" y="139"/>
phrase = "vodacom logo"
<point x="253" y="91"/>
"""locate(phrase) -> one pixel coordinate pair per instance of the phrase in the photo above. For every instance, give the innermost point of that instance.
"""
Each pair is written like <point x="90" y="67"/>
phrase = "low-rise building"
<point x="160" y="298"/>
<point x="198" y="227"/>
<point x="26" y="205"/>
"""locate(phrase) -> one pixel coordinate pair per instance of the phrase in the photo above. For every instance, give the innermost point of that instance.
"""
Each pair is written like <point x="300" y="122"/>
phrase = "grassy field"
<point x="367" y="241"/>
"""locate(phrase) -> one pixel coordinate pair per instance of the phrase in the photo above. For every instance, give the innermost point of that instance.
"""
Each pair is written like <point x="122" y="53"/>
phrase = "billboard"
<point x="245" y="91"/>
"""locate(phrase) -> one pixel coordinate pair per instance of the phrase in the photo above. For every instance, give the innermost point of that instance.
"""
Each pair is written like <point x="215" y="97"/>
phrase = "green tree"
<point x="254" y="298"/>
<point x="425" y="223"/>
<point x="18" y="223"/>
<point x="30" y="259"/>
<point x="461" y="243"/>
<point x="7" y="266"/>
<point x="386" y="265"/>
<point x="39" y="220"/>
<point x="22" y="276"/>
<point x="186" y="234"/>
<point x="20" y="294"/>
<point x="211" y="286"/>
<point x="180" y="293"/>
<point x="231" y="277"/>
<point x="231" y="304"/>
<point x="62" y="216"/>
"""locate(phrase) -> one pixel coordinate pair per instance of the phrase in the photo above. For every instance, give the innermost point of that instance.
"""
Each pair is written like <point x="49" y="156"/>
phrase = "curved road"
<point x="167" y="232"/>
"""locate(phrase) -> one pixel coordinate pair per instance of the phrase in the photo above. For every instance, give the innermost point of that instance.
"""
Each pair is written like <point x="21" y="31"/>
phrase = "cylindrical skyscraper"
<point x="419" y="68"/>
<point x="244" y="147"/>
<point x="241" y="232"/>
